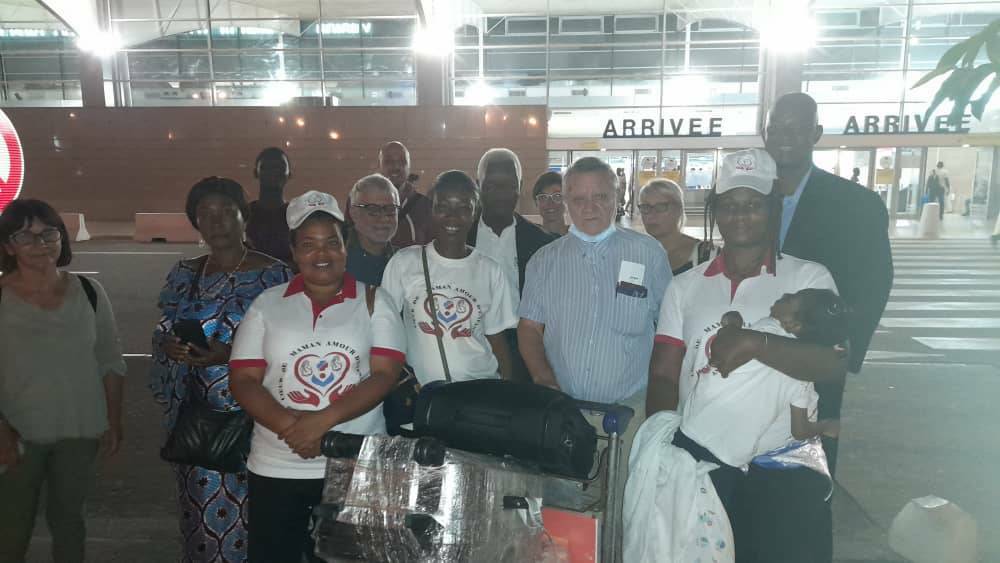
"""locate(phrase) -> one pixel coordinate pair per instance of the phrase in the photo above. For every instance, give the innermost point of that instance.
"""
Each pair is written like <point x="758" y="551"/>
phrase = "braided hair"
<point x="773" y="204"/>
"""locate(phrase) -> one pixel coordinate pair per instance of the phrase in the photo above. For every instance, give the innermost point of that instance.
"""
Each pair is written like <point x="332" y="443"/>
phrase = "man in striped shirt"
<point x="591" y="299"/>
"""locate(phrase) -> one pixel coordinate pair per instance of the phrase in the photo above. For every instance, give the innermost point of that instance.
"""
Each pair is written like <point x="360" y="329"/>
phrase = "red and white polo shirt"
<point x="691" y="315"/>
<point x="313" y="354"/>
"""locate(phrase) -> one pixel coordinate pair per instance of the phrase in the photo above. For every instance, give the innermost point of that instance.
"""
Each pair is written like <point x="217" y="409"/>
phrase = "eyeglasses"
<point x="375" y="210"/>
<point x="27" y="238"/>
<point x="646" y="208"/>
<point x="549" y="198"/>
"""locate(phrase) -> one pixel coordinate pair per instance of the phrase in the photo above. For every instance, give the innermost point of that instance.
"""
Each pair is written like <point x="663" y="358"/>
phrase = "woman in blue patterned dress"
<point x="216" y="290"/>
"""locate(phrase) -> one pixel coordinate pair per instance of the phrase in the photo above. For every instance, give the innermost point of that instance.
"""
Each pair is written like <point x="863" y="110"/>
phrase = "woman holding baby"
<point x="745" y="396"/>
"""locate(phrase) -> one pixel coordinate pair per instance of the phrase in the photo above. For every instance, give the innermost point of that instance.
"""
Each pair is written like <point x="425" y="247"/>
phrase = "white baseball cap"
<point x="751" y="168"/>
<point x="300" y="208"/>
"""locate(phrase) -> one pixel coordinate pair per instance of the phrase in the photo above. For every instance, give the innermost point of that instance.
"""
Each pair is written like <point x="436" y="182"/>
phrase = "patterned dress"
<point x="213" y="505"/>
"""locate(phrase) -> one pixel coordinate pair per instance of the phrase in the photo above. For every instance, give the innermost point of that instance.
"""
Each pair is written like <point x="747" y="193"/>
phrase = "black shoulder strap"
<point x="88" y="288"/>
<point x="370" y="299"/>
<point x="438" y="329"/>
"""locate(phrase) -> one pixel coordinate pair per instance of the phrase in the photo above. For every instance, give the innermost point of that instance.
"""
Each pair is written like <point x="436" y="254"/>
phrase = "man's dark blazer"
<point x="528" y="237"/>
<point x="845" y="227"/>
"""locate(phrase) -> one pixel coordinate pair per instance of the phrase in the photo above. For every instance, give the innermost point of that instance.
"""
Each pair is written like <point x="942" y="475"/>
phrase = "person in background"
<point x="61" y="374"/>
<point x="215" y="290"/>
<point x="549" y="199"/>
<point x="995" y="237"/>
<point x="856" y="175"/>
<point x="471" y="299"/>
<point x="938" y="186"/>
<point x="661" y="204"/>
<point x="265" y="224"/>
<point x="503" y="234"/>
<point x="375" y="204"/>
<point x="300" y="369"/>
<point x="415" y="208"/>
<point x="622" y="191"/>
<point x="836" y="223"/>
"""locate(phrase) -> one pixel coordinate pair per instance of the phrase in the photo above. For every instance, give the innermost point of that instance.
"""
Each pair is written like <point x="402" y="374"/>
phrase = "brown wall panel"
<point x="112" y="163"/>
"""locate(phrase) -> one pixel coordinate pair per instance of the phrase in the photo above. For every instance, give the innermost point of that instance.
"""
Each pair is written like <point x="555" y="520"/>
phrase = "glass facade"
<point x="38" y="60"/>
<point x="652" y="64"/>
<point x="584" y="67"/>
<point x="868" y="55"/>
<point x="228" y="61"/>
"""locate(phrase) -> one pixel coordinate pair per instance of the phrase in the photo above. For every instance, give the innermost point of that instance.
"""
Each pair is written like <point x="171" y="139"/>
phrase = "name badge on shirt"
<point x="630" y="279"/>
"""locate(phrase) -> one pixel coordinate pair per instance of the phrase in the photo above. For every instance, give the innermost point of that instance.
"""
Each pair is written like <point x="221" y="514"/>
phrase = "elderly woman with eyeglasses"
<point x="549" y="199"/>
<point x="61" y="371"/>
<point x="661" y="204"/>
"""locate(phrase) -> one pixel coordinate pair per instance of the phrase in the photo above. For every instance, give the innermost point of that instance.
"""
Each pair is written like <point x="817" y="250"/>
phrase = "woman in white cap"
<point x="693" y="350"/>
<point x="300" y="368"/>
<point x="661" y="203"/>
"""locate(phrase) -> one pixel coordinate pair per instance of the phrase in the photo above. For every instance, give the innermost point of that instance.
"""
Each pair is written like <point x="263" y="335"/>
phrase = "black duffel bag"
<point x="531" y="423"/>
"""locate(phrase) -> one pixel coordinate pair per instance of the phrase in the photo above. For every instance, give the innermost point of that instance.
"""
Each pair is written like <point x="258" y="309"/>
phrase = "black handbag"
<point x="532" y="423"/>
<point x="202" y="436"/>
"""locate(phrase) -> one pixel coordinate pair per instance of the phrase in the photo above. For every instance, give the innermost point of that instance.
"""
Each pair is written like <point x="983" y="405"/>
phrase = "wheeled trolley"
<point x="421" y="498"/>
<point x="599" y="495"/>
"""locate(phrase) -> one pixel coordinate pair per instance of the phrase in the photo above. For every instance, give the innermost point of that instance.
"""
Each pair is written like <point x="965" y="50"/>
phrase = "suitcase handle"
<point x="616" y="417"/>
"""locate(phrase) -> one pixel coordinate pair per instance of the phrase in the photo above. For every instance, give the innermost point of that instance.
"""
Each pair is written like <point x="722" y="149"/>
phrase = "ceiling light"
<point x="789" y="28"/>
<point x="479" y="94"/>
<point x="99" y="43"/>
<point x="433" y="41"/>
<point x="334" y="135"/>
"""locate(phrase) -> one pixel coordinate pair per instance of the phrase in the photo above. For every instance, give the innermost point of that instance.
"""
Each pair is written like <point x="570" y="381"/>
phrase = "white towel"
<point x="671" y="510"/>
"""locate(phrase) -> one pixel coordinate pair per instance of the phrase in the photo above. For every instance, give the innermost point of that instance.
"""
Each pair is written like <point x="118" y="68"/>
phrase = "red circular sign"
<point x="11" y="162"/>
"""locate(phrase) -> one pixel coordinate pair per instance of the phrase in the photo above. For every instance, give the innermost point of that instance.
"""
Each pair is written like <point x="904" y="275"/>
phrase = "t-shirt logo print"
<point x="321" y="377"/>
<point x="453" y="314"/>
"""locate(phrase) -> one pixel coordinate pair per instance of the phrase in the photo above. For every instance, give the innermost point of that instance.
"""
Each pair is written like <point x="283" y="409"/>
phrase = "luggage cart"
<point x="599" y="495"/>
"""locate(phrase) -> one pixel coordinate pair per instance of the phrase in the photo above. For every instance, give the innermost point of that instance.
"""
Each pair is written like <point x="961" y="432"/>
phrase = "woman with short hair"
<point x="661" y="203"/>
<point x="61" y="369"/>
<point x="212" y="294"/>
<point x="549" y="199"/>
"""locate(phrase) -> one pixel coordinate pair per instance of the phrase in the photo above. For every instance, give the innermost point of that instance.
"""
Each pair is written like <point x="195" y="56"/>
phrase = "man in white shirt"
<point x="503" y="234"/>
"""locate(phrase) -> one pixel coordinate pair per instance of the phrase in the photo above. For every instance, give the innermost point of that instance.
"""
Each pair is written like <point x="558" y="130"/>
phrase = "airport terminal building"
<point x="125" y="94"/>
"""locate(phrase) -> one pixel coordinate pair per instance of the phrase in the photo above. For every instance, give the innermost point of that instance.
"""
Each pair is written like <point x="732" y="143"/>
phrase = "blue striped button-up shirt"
<point x="597" y="340"/>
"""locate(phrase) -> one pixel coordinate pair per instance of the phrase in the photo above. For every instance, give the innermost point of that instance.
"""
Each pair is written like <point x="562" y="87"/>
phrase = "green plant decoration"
<point x="965" y="76"/>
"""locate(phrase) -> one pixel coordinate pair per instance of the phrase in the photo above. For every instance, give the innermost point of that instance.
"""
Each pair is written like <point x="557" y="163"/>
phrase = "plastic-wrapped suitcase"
<point x="397" y="499"/>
